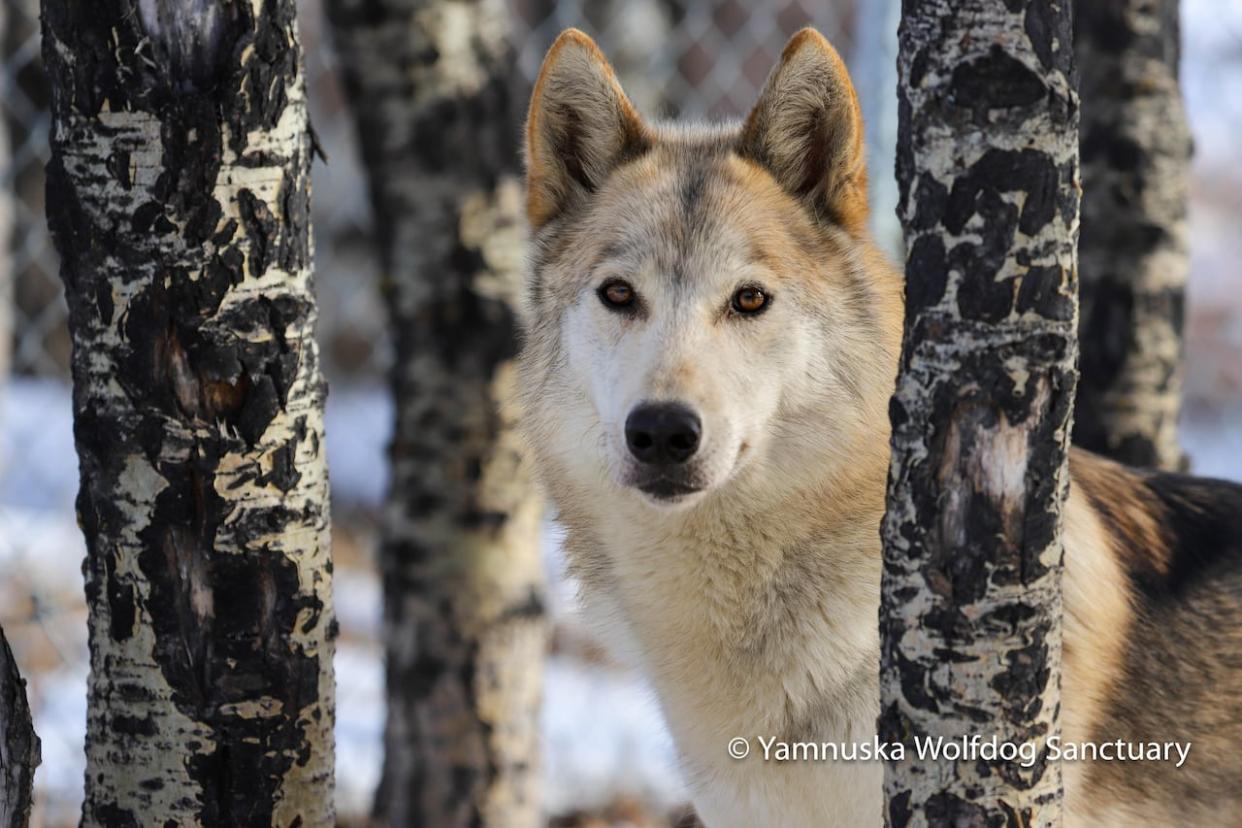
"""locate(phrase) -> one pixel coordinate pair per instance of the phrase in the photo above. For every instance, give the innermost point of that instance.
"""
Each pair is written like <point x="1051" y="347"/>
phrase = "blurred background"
<point x="608" y="760"/>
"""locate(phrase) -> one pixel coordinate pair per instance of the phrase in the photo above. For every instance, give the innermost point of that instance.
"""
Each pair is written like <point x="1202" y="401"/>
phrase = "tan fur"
<point x="1142" y="541"/>
<point x="576" y="98"/>
<point x="752" y="605"/>
<point x="1098" y="616"/>
<point x="808" y="129"/>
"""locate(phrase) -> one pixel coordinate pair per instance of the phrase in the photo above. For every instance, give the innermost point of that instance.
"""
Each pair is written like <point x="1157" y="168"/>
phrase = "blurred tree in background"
<point x="432" y="85"/>
<point x="179" y="199"/>
<point x="1134" y="250"/>
<point x="7" y="198"/>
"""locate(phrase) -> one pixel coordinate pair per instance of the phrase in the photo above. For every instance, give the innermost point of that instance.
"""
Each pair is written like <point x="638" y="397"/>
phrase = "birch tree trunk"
<point x="19" y="746"/>
<point x="971" y="603"/>
<point x="432" y="87"/>
<point x="1135" y="252"/>
<point x="178" y="193"/>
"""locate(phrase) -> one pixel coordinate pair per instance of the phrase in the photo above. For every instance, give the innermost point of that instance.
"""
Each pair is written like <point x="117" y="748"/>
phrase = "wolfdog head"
<point x="706" y="312"/>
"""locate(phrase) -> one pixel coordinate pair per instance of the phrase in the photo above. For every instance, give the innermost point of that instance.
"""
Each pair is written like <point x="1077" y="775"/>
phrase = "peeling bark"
<point x="971" y="605"/>
<point x="432" y="89"/>
<point x="19" y="746"/>
<point x="1134" y="252"/>
<point x="178" y="196"/>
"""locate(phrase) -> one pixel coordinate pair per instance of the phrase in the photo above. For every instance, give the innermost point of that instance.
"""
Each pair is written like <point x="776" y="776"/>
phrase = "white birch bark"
<point x="1135" y="249"/>
<point x="178" y="196"/>
<point x="432" y="84"/>
<point x="971" y="604"/>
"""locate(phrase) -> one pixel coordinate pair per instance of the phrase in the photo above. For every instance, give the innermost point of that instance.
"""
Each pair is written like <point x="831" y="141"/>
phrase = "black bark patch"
<point x="260" y="408"/>
<point x="1022" y="682"/>
<point x="262" y="230"/>
<point x="996" y="81"/>
<point x="114" y="816"/>
<point x="1120" y="152"/>
<point x="104" y="306"/>
<point x="899" y="810"/>
<point x="928" y="260"/>
<point x="134" y="726"/>
<point x="949" y="809"/>
<point x="1005" y="171"/>
<point x="1049" y="27"/>
<point x="145" y="216"/>
<point x="931" y="199"/>
<point x="224" y="629"/>
<point x="118" y="165"/>
<point x="122" y="610"/>
<point x="284" y="474"/>
<point x="1040" y="293"/>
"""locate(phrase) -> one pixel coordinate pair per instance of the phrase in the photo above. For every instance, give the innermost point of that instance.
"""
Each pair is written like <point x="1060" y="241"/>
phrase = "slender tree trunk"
<point x="642" y="63"/>
<point x="6" y="240"/>
<point x="19" y="746"/>
<point x="971" y="602"/>
<point x="178" y="195"/>
<point x="1135" y="258"/>
<point x="432" y="86"/>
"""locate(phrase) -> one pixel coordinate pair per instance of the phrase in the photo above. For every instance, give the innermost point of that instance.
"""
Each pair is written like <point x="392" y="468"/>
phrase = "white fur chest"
<point x="755" y="632"/>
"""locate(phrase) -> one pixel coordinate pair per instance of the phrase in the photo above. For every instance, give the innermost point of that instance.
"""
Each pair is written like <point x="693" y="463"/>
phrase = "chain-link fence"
<point x="697" y="58"/>
<point x="41" y="339"/>
<point x="677" y="58"/>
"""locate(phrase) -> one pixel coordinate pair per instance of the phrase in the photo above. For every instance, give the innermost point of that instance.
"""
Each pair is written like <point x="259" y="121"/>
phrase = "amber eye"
<point x="750" y="300"/>
<point x="617" y="294"/>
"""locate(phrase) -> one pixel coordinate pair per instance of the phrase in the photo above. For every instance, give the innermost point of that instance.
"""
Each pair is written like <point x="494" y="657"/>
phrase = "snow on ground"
<point x="602" y="731"/>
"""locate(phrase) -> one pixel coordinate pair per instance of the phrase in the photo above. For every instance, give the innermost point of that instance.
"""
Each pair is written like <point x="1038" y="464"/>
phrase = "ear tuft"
<point x="579" y="128"/>
<point x="807" y="131"/>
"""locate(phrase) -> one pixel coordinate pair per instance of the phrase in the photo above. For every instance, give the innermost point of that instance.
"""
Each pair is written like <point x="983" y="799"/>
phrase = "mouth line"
<point x="665" y="489"/>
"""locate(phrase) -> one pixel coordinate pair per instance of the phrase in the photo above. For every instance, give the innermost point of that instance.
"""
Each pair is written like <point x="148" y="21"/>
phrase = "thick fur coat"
<point x="727" y="271"/>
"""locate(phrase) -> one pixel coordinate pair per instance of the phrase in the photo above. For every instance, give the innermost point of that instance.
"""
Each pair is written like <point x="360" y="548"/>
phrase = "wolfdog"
<point x="710" y="344"/>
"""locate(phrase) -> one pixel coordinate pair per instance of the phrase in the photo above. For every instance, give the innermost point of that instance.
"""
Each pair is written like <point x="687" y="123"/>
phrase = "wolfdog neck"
<point x="754" y="614"/>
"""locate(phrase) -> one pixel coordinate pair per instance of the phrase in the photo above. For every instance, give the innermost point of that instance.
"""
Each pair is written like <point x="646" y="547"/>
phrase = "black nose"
<point x="662" y="433"/>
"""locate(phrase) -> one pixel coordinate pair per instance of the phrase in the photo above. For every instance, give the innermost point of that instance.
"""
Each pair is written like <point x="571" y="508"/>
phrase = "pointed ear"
<point x="580" y="126"/>
<point x="807" y="131"/>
